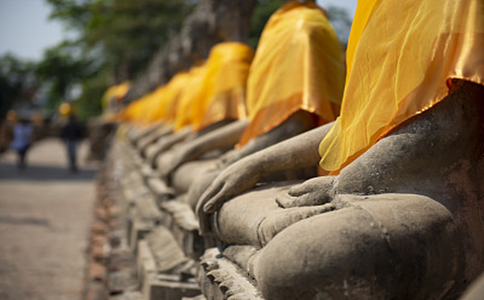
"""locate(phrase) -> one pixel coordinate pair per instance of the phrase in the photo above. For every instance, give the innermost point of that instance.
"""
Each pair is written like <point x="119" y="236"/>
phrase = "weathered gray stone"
<point x="168" y="255"/>
<point x="404" y="221"/>
<point x="221" y="279"/>
<point x="199" y="297"/>
<point x="158" y="286"/>
<point x="475" y="290"/>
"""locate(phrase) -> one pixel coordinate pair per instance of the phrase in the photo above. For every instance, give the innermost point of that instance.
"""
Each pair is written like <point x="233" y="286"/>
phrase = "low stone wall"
<point x="140" y="247"/>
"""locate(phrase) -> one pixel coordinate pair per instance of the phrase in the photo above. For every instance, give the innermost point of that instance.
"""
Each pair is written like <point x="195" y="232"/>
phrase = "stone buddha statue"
<point x="294" y="84"/>
<point x="400" y="214"/>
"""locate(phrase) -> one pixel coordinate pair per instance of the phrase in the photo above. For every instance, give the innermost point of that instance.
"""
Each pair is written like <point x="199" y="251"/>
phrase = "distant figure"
<point x="71" y="133"/>
<point x="22" y="135"/>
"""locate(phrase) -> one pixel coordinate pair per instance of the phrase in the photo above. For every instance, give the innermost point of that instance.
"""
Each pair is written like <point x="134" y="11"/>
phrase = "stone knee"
<point x="189" y="172"/>
<point x="199" y="186"/>
<point x="385" y="246"/>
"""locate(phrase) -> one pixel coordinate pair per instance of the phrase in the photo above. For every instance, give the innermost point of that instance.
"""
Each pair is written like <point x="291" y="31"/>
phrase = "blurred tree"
<point x="18" y="83"/>
<point x="61" y="69"/>
<point x="112" y="41"/>
<point x="123" y="33"/>
<point x="262" y="13"/>
<point x="89" y="104"/>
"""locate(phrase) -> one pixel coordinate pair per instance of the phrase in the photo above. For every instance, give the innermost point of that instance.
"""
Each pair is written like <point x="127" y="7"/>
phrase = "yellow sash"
<point x="224" y="87"/>
<point x="117" y="92"/>
<point x="402" y="56"/>
<point x="189" y="97"/>
<point x="298" y="65"/>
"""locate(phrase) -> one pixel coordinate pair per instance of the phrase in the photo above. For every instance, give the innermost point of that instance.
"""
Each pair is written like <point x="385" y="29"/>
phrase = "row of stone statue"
<point x="319" y="185"/>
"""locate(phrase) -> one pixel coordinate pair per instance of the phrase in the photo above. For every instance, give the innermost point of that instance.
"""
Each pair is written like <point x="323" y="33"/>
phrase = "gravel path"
<point x="45" y="213"/>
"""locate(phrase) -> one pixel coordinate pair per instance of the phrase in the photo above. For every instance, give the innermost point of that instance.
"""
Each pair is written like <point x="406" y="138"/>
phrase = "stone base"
<point x="137" y="230"/>
<point x="143" y="216"/>
<point x="221" y="279"/>
<point x="135" y="295"/>
<point x="155" y="286"/>
<point x="199" y="297"/>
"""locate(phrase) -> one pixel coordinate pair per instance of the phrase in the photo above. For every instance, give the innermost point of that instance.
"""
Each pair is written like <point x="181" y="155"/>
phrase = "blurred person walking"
<point x="72" y="132"/>
<point x="22" y="138"/>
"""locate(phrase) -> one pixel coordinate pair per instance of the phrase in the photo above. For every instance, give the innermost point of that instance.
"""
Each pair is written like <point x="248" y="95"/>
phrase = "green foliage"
<point x="93" y="87"/>
<point x="18" y="83"/>
<point x="262" y="13"/>
<point x="61" y="69"/>
<point x="113" y="41"/>
<point x="122" y="32"/>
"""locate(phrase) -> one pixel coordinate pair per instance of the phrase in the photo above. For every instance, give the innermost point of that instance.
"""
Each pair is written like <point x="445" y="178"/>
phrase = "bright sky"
<point x="350" y="5"/>
<point x="26" y="31"/>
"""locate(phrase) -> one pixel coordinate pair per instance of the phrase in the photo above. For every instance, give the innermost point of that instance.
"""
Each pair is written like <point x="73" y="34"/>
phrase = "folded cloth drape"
<point x="224" y="87"/>
<point x="298" y="65"/>
<point x="114" y="93"/>
<point x="401" y="59"/>
<point x="189" y="96"/>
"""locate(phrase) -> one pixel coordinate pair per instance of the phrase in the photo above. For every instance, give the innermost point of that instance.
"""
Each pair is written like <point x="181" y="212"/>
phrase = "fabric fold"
<point x="400" y="66"/>
<point x="298" y="65"/>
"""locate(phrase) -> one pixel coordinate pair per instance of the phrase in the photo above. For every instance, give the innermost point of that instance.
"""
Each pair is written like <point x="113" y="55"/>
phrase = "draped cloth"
<point x="401" y="59"/>
<point x="112" y="98"/>
<point x="189" y="97"/>
<point x="136" y="111"/>
<point x="206" y="94"/>
<point x="224" y="87"/>
<point x="132" y="112"/>
<point x="172" y="103"/>
<point x="298" y="65"/>
<point x="147" y="109"/>
<point x="158" y="109"/>
<point x="114" y="94"/>
<point x="172" y="94"/>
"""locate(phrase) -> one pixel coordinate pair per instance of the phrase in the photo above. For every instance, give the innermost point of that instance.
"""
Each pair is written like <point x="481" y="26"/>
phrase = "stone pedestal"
<point x="155" y="285"/>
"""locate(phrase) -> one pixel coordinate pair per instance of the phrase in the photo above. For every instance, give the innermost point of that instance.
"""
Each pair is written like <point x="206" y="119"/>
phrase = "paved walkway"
<point x="45" y="213"/>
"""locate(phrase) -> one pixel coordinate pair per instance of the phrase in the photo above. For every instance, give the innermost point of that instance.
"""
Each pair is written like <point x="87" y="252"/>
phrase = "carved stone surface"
<point x="166" y="252"/>
<point x="221" y="279"/>
<point x="100" y="134"/>
<point x="404" y="220"/>
<point x="155" y="285"/>
<point x="475" y="290"/>
<point x="162" y="191"/>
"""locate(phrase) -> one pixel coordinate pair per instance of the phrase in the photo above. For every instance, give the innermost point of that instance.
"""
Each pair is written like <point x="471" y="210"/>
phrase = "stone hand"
<point x="234" y="180"/>
<point x="315" y="191"/>
<point x="228" y="158"/>
<point x="172" y="160"/>
<point x="166" y="163"/>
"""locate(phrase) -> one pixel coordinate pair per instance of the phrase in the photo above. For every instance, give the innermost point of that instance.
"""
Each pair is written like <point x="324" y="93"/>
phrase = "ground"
<point x="45" y="213"/>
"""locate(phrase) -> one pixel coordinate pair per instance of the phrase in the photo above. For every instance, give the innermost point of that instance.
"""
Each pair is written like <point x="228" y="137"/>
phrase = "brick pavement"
<point x="45" y="214"/>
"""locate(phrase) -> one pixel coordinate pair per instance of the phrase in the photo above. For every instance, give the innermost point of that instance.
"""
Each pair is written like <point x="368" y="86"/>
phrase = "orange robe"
<point x="159" y="105"/>
<point x="190" y="95"/>
<point x="224" y="86"/>
<point x="136" y="110"/>
<point x="401" y="59"/>
<point x="173" y="91"/>
<point x="114" y="94"/>
<point x="298" y="65"/>
<point x="157" y="111"/>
